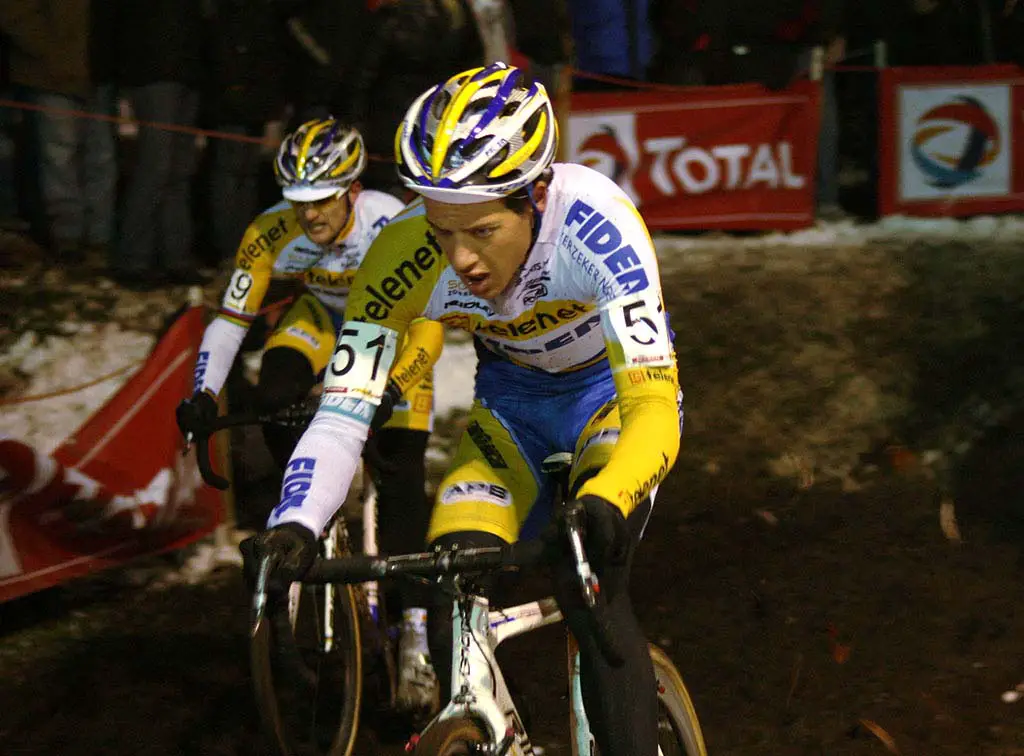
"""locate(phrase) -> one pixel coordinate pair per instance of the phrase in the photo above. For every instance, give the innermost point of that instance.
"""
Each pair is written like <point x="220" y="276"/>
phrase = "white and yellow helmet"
<point x="319" y="159"/>
<point x="484" y="134"/>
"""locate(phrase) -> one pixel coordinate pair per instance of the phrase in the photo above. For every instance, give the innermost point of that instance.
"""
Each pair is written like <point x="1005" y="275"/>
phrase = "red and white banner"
<point x="736" y="157"/>
<point x="119" y="488"/>
<point x="951" y="140"/>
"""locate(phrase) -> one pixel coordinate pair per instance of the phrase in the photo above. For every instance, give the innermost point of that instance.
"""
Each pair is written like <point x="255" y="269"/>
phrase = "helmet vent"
<point x="440" y="103"/>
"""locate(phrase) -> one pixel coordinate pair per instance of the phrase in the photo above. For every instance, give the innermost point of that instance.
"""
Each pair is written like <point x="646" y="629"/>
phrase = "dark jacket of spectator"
<point x="1008" y="30"/>
<point x="45" y="44"/>
<point x="680" y="42"/>
<point x="612" y="37"/>
<point x="103" y="41"/>
<point x="323" y="43"/>
<point x="542" y="30"/>
<point x="934" y="33"/>
<point x="244" y="85"/>
<point x="414" y="45"/>
<point x="160" y="40"/>
<point x="753" y="40"/>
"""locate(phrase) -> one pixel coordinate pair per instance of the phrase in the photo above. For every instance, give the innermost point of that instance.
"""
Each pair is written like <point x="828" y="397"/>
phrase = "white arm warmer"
<point x="217" y="353"/>
<point x="320" y="471"/>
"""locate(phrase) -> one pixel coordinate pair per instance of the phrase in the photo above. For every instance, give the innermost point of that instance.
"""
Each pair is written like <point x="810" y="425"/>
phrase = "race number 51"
<point x="362" y="359"/>
<point x="639" y="325"/>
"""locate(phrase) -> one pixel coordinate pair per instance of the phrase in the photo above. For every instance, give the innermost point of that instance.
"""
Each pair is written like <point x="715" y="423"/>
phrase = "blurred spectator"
<point x="679" y="44"/>
<point x="772" y="44"/>
<point x="767" y="43"/>
<point x="493" y="19"/>
<point x="935" y="33"/>
<point x="830" y="34"/>
<point x="324" y="42"/>
<point x="610" y="38"/>
<point x="59" y="59"/>
<point x="413" y="45"/>
<point x="1008" y="30"/>
<point x="543" y="36"/>
<point x="10" y="131"/>
<point x="243" y="93"/>
<point x="159" y="47"/>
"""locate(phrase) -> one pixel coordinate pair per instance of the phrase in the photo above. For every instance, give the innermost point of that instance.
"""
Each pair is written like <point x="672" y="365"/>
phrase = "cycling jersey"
<point x="586" y="300"/>
<point x="274" y="246"/>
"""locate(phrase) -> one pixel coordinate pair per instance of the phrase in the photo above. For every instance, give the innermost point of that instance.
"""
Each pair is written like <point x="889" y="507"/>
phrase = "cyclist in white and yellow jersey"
<point x="552" y="270"/>
<point x="318" y="234"/>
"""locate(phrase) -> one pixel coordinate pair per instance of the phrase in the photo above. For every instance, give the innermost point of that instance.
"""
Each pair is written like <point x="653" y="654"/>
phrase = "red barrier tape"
<point x="212" y="134"/>
<point x="119" y="120"/>
<point x="192" y="130"/>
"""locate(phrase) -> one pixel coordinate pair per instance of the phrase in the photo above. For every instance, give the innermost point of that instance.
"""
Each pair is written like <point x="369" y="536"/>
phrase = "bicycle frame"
<point x="334" y="540"/>
<point x="477" y="632"/>
<point x="369" y="500"/>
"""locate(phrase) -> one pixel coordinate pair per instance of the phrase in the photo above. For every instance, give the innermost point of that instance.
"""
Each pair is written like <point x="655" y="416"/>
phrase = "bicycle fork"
<point x="582" y="740"/>
<point x="370" y="543"/>
<point x="583" y="743"/>
<point x="475" y="675"/>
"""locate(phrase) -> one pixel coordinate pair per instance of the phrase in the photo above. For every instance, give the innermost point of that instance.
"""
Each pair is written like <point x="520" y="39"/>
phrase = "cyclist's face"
<point x="485" y="243"/>
<point x="325" y="221"/>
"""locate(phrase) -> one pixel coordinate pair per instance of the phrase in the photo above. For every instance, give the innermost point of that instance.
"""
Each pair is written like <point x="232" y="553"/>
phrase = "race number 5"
<point x="362" y="359"/>
<point x="640" y="329"/>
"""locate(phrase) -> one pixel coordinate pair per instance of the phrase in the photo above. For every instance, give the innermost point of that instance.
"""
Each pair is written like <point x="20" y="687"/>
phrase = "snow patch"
<point x="454" y="376"/>
<point x="55" y="364"/>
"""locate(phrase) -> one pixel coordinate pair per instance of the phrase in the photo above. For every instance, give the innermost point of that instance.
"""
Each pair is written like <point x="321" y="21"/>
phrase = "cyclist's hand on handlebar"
<point x="291" y="548"/>
<point x="606" y="534"/>
<point x="196" y="415"/>
<point x="392" y="396"/>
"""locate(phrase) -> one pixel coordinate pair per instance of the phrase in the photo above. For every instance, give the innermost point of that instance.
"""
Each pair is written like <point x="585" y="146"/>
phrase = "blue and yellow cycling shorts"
<point x="311" y="329"/>
<point x="495" y="483"/>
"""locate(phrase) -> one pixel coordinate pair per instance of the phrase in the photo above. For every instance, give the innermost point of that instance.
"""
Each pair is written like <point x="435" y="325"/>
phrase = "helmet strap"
<point x="349" y="221"/>
<point x="538" y="217"/>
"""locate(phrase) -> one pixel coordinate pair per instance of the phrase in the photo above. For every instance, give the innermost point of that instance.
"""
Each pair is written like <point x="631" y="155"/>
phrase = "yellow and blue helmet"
<point x="319" y="159"/>
<point x="484" y="134"/>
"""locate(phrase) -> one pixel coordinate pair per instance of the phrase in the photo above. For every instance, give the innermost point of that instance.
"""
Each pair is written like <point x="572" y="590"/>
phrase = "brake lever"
<point x="259" y="595"/>
<point x="590" y="586"/>
<point x="205" y="468"/>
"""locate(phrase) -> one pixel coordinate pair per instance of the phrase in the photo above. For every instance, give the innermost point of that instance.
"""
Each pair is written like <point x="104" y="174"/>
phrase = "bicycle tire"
<point x="679" y="732"/>
<point x="309" y="699"/>
<point x="459" y="736"/>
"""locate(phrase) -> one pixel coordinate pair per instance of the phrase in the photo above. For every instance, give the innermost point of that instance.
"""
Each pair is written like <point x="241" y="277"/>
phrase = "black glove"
<point x="196" y="415"/>
<point x="606" y="539"/>
<point x="292" y="548"/>
<point x="392" y="396"/>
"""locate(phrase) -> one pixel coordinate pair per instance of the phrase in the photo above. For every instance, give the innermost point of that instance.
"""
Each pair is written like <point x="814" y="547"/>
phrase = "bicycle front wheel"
<point x="679" y="732"/>
<point x="451" y="737"/>
<point x="307" y="671"/>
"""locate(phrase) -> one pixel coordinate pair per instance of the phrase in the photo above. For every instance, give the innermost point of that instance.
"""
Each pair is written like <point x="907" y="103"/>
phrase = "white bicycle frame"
<point x="330" y="550"/>
<point x="369" y="501"/>
<point x="475" y="673"/>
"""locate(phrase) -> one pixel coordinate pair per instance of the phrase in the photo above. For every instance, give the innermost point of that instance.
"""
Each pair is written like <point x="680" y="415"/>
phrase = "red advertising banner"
<point x="951" y="140"/>
<point x="118" y="489"/>
<point x="735" y="157"/>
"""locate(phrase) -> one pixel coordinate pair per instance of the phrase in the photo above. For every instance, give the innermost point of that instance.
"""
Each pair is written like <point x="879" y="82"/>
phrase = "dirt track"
<point x="795" y="568"/>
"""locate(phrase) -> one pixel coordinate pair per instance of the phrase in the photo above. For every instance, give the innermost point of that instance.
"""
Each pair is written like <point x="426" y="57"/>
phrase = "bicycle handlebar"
<point x="359" y="568"/>
<point x="296" y="415"/>
<point x="452" y="561"/>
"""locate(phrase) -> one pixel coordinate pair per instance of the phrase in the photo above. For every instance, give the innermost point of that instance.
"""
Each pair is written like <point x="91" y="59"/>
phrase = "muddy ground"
<point x="796" y="568"/>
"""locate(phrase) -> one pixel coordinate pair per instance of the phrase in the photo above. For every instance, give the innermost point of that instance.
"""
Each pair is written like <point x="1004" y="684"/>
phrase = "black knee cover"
<point x="439" y="618"/>
<point x="286" y="377"/>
